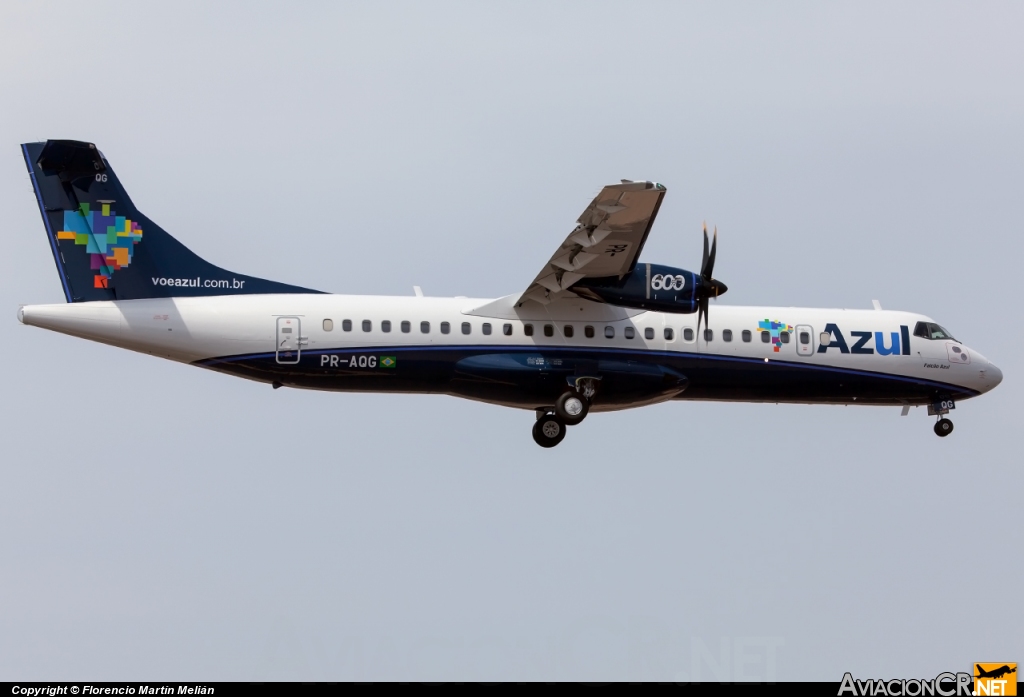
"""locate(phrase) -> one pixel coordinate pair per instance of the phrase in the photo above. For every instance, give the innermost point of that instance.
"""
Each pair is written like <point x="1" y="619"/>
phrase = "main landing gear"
<point x="571" y="407"/>
<point x="549" y="431"/>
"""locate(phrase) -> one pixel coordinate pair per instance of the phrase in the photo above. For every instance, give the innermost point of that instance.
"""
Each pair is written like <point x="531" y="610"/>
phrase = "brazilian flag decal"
<point x="388" y="362"/>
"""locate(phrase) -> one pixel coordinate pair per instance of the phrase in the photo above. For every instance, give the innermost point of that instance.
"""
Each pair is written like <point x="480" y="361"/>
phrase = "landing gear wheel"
<point x="572" y="407"/>
<point x="548" y="431"/>
<point x="943" y="427"/>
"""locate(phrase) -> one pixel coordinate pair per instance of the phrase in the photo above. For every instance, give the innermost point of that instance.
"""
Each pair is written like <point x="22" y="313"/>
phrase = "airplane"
<point x="995" y="673"/>
<point x="594" y="331"/>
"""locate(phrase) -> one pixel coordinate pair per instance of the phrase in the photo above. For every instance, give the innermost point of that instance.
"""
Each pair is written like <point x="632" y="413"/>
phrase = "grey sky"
<point x="162" y="521"/>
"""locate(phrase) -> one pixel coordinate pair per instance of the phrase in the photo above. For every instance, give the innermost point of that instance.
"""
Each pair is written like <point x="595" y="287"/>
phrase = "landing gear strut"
<point x="943" y="427"/>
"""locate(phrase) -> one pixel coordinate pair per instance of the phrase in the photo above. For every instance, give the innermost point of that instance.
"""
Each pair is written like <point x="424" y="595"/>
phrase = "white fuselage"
<point x="190" y="330"/>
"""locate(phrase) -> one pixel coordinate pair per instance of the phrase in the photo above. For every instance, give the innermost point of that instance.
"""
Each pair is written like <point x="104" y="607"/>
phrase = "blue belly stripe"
<point x="645" y="355"/>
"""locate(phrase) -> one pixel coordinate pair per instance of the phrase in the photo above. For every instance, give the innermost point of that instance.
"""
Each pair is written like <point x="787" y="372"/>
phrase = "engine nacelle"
<point x="647" y="287"/>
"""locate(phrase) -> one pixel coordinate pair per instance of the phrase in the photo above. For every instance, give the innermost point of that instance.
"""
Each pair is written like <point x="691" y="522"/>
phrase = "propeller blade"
<point x="707" y="287"/>
<point x="702" y="311"/>
<point x="710" y="261"/>
<point x="704" y="261"/>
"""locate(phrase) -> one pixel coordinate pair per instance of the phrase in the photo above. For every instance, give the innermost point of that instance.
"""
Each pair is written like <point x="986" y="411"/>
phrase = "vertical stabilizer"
<point x="105" y="249"/>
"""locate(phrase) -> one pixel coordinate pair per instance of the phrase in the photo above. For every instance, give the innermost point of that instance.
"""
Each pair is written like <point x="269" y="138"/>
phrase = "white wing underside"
<point x="606" y="242"/>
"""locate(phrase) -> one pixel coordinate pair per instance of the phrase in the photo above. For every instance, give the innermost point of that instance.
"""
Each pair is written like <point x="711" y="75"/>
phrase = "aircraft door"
<point x="289" y="340"/>
<point x="804" y="340"/>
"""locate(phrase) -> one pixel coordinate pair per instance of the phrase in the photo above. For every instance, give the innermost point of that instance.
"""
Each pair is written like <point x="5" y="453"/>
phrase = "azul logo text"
<point x="897" y="343"/>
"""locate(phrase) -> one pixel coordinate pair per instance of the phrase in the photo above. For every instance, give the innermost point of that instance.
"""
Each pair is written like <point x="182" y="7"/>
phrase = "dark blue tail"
<point x="104" y="247"/>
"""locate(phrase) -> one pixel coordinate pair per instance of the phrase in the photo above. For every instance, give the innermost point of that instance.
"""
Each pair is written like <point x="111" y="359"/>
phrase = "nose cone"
<point x="988" y="375"/>
<point x="993" y="375"/>
<point x="976" y="371"/>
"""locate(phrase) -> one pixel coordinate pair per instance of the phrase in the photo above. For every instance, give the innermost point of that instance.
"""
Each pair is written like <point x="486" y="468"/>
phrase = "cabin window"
<point x="766" y="337"/>
<point x="445" y="328"/>
<point x="746" y="336"/>
<point x="784" y="336"/>
<point x="506" y="329"/>
<point x="328" y="325"/>
<point x="567" y="330"/>
<point x="367" y="325"/>
<point x="726" y="335"/>
<point x="669" y="334"/>
<point x="629" y="332"/>
<point x="346" y="325"/>
<point x="805" y="338"/>
<point x="385" y="326"/>
<point x="549" y="330"/>
<point x="609" y="332"/>
<point x="709" y="335"/>
<point x="486" y="328"/>
<point x="466" y="329"/>
<point x="425" y="327"/>
<point x="528" y="329"/>
<point x="406" y="327"/>
<point x="688" y="334"/>
<point x="649" y="333"/>
<point x="588" y="332"/>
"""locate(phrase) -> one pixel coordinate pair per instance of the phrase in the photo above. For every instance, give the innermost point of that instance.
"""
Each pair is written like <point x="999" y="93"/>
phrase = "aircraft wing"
<point x="606" y="242"/>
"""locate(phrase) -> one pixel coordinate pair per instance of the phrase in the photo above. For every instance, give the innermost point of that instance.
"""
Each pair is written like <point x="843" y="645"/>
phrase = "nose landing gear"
<point x="943" y="427"/>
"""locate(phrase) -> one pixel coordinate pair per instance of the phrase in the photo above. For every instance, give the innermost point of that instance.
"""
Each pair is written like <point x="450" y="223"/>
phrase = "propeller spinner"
<point x="707" y="286"/>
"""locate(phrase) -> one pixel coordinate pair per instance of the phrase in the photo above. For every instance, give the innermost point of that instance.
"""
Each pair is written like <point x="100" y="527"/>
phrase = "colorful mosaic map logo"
<point x="774" y="328"/>
<point x="109" y="239"/>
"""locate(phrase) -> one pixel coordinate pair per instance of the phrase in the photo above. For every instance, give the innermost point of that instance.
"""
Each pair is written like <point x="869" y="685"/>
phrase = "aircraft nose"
<point x="993" y="374"/>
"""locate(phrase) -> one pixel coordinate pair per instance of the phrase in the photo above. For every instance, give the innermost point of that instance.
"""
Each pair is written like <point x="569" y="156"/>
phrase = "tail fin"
<point x="104" y="247"/>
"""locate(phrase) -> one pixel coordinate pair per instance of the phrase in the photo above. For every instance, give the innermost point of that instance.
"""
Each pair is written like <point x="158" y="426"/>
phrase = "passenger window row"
<point x="506" y="329"/>
<point x="567" y="331"/>
<point x="406" y="326"/>
<point x="727" y="335"/>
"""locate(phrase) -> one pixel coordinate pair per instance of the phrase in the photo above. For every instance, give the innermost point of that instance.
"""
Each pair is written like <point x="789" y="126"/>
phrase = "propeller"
<point x="707" y="286"/>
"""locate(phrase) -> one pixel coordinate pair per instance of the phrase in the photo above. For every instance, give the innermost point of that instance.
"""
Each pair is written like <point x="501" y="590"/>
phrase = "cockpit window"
<point x="931" y="331"/>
